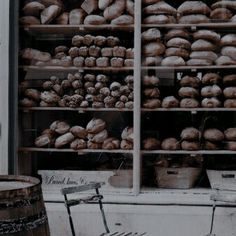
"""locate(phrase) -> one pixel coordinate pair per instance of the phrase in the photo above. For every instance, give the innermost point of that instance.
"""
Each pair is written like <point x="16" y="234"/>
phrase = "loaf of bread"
<point x="89" y="6"/>
<point x="189" y="103"/>
<point x="79" y="132"/>
<point x="152" y="103"/>
<point x="211" y="91"/>
<point x="190" y="81"/>
<point x="228" y="40"/>
<point x="190" y="133"/>
<point x="224" y="4"/>
<point x="49" y="97"/>
<point x="90" y="62"/>
<point x="159" y="8"/>
<point x="208" y="35"/>
<point x="225" y="61"/>
<point x="170" y="144"/>
<point x="117" y="62"/>
<point x="188" y="92"/>
<point x="211" y="102"/>
<point x="211" y="78"/>
<point x="152" y="34"/>
<point x="100" y="41"/>
<point x="153" y="49"/>
<point x="63" y="19"/>
<point x="127" y="134"/>
<point x="103" y="4"/>
<point x="26" y="102"/>
<point x="95" y="126"/>
<point x="159" y="19"/>
<point x="151" y="144"/>
<point x="194" y="19"/>
<point x="33" y="94"/>
<point x="29" y="20"/>
<point x="152" y="61"/>
<point x="115" y="10"/>
<point x="92" y="145"/>
<point x="129" y="54"/>
<point x="94" y="20"/>
<point x="208" y="55"/>
<point x="230" y="92"/>
<point x="78" y="144"/>
<point x="107" y="52"/>
<point x="176" y="51"/>
<point x="111" y="144"/>
<point x="213" y="135"/>
<point x="199" y="62"/>
<point x="52" y="2"/>
<point x="229" y="80"/>
<point x="229" y="51"/>
<point x="193" y="7"/>
<point x="60" y="127"/>
<point x="99" y="137"/>
<point x="170" y="102"/>
<point x="88" y="39"/>
<point x="203" y="45"/>
<point x="34" y="54"/>
<point x="126" y="145"/>
<point x="44" y="140"/>
<point x="230" y="134"/>
<point x="230" y="145"/>
<point x="173" y="61"/>
<point x="230" y="103"/>
<point x="221" y="14"/>
<point x="190" y="145"/>
<point x="33" y="8"/>
<point x="102" y="62"/>
<point x="211" y="146"/>
<point x="177" y="33"/>
<point x="49" y="14"/>
<point x="78" y="61"/>
<point x="150" y="81"/>
<point x="112" y="41"/>
<point x="178" y="43"/>
<point x="64" y="139"/>
<point x="151" y="92"/>
<point x="123" y="20"/>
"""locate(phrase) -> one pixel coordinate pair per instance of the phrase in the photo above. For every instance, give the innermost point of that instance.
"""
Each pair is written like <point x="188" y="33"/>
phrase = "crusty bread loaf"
<point x="63" y="19"/>
<point x="211" y="146"/>
<point x="159" y="8"/>
<point x="95" y="126"/>
<point x="103" y="4"/>
<point x="199" y="62"/>
<point x="190" y="133"/>
<point x="60" y="127"/>
<point x="88" y="39"/>
<point x="211" y="78"/>
<point x="170" y="144"/>
<point x="107" y="52"/>
<point x="189" y="103"/>
<point x="178" y="43"/>
<point x="29" y="20"/>
<point x="229" y="80"/>
<point x="203" y="45"/>
<point x="44" y="140"/>
<point x="230" y="92"/>
<point x="177" y="33"/>
<point x="126" y="145"/>
<point x="229" y="51"/>
<point x="77" y="40"/>
<point x="123" y="20"/>
<point x="230" y="103"/>
<point x="225" y="61"/>
<point x="190" y="81"/>
<point x="98" y="137"/>
<point x="173" y="61"/>
<point x="221" y="14"/>
<point x="78" y="61"/>
<point x="49" y="14"/>
<point x="90" y="62"/>
<point x="112" y="41"/>
<point x="208" y="55"/>
<point x="92" y="145"/>
<point x="213" y="135"/>
<point x="102" y="62"/>
<point x="180" y="52"/>
<point x="228" y="40"/>
<point x="153" y="49"/>
<point x="32" y="93"/>
<point x="49" y="97"/>
<point x="115" y="10"/>
<point x="111" y="143"/>
<point x="33" y="8"/>
<point x="52" y="2"/>
<point x="117" y="62"/>
<point x="230" y="145"/>
<point x="127" y="134"/>
<point x="190" y="145"/>
<point x="194" y="19"/>
<point x="211" y="102"/>
<point x="152" y="61"/>
<point x="151" y="92"/>
<point x="129" y="54"/>
<point x="208" y="35"/>
<point x="150" y="81"/>
<point x="152" y="34"/>
<point x="79" y="132"/>
<point x="170" y="102"/>
<point x="152" y="103"/>
<point x="89" y="6"/>
<point x="193" y="7"/>
<point x="64" y="140"/>
<point x="78" y="144"/>
<point x="224" y="4"/>
<point x="94" y="20"/>
<point x="230" y="134"/>
<point x="100" y="40"/>
<point x="159" y="19"/>
<point x="26" y="102"/>
<point x="188" y="92"/>
<point x="211" y="91"/>
<point x="151" y="144"/>
<point x="34" y="54"/>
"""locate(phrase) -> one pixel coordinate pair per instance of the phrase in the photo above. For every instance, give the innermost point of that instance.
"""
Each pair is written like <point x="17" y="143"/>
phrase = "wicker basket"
<point x="222" y="179"/>
<point x="178" y="178"/>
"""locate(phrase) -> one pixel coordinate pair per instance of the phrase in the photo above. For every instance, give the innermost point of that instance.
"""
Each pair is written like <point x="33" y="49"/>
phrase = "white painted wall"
<point x="156" y="220"/>
<point x="4" y="58"/>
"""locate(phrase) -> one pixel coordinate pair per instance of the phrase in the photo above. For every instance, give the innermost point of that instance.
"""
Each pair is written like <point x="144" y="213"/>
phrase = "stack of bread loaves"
<point x="189" y="92"/>
<point x="229" y="82"/>
<point x="213" y="139"/>
<point x="230" y="136"/>
<point x="127" y="138"/>
<point x="203" y="48"/>
<point x="193" y="12"/>
<point x="158" y="12"/>
<point x="190" y="139"/>
<point x="88" y="12"/>
<point x="151" y="92"/>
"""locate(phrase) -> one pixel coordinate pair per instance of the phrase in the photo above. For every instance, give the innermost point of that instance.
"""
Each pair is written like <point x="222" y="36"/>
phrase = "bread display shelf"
<point x="190" y="109"/>
<point x="184" y="152"/>
<point x="218" y="25"/>
<point x="72" y="68"/>
<point x="34" y="149"/>
<point x="26" y="109"/>
<point x="72" y="29"/>
<point x="192" y="68"/>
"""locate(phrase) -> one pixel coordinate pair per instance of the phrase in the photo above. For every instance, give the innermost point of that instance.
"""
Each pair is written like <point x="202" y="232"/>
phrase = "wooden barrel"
<point x="22" y="210"/>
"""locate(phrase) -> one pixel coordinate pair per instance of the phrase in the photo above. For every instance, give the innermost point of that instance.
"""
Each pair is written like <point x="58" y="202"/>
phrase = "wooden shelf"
<point x="82" y="151"/>
<point x="218" y="25"/>
<point x="189" y="109"/>
<point x="26" y="109"/>
<point x="184" y="152"/>
<point x="73" y="29"/>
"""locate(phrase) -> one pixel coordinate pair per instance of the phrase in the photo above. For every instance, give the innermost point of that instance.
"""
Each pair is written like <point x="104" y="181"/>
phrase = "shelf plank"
<point x="73" y="29"/>
<point x="82" y="151"/>
<point x="192" y="68"/>
<point x="184" y="152"/>
<point x="73" y="68"/>
<point x="189" y="109"/>
<point x="26" y="109"/>
<point x="218" y="25"/>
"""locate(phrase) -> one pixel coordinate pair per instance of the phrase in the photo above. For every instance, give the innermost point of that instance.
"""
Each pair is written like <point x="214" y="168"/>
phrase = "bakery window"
<point x="141" y="100"/>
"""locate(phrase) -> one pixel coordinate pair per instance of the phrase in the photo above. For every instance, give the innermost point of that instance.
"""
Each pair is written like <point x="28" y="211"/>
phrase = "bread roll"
<point x="152" y="103"/>
<point x="78" y="61"/>
<point x="44" y="140"/>
<point x="95" y="126"/>
<point x="103" y="4"/>
<point x="221" y="14"/>
<point x="229" y="51"/>
<point x="127" y="134"/>
<point x="211" y="102"/>
<point x="49" y="14"/>
<point x="230" y="103"/>
<point x="190" y="133"/>
<point x="230" y="134"/>
<point x="230" y="145"/>
<point x="61" y="48"/>
<point x="170" y="144"/>
<point x="34" y="54"/>
<point x="74" y="52"/>
<point x="213" y="135"/>
<point x="151" y="144"/>
<point x="33" y="8"/>
<point x="126" y="145"/>
<point x="112" y="41"/>
<point x="89" y="6"/>
<point x="100" y="41"/>
<point x="208" y="55"/>
<point x="224" y="4"/>
<point x="159" y="8"/>
<point x="129" y="54"/>
<point x="173" y="61"/>
<point x="211" y="78"/>
<point x="129" y="62"/>
<point x="88" y="39"/>
<point x="180" y="52"/>
<point x="211" y="146"/>
<point x="90" y="62"/>
<point x="199" y="62"/>
<point x="189" y="103"/>
<point x="225" y="61"/>
<point x="150" y="80"/>
<point x="78" y="144"/>
<point x="152" y="61"/>
<point x="188" y="92"/>
<point x="228" y="40"/>
<point x="159" y="19"/>
<point x="94" y="20"/>
<point x="111" y="144"/>
<point x="177" y="33"/>
<point x="153" y="49"/>
<point x="152" y="34"/>
<point x="211" y="91"/>
<point x="29" y="20"/>
<point x="63" y="19"/>
<point x="77" y="40"/>
<point x="190" y="81"/>
<point x="151" y="92"/>
<point x="178" y="43"/>
<point x="115" y="10"/>
<point x="190" y="145"/>
<point x="92" y="145"/>
<point x="194" y="19"/>
<point x="64" y="140"/>
<point x="208" y="35"/>
<point x="119" y="51"/>
<point x="123" y="20"/>
<point x="107" y="52"/>
<point x="230" y="80"/>
<point x="170" y="102"/>
<point x="79" y="132"/>
<point x="66" y="61"/>
<point x="193" y="7"/>
<point x="230" y="92"/>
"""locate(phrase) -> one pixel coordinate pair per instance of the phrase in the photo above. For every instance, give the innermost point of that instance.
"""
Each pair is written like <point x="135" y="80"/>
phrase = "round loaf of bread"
<point x="159" y="8"/>
<point x="99" y="137"/>
<point x="209" y="35"/>
<point x="153" y="49"/>
<point x="230" y="103"/>
<point x="152" y="34"/>
<point x="78" y="144"/>
<point x="230" y="92"/>
<point x="173" y="61"/>
<point x="230" y="80"/>
<point x="228" y="40"/>
<point x="189" y="103"/>
<point x="29" y="20"/>
<point x="211" y="78"/>
<point x="221" y="14"/>
<point x="190" y="145"/>
<point x="159" y="19"/>
<point x="44" y="140"/>
<point x="194" y="19"/>
<point x="64" y="140"/>
<point x="170" y="102"/>
<point x="230" y="134"/>
<point x="111" y="144"/>
<point x="190" y="81"/>
<point x="190" y="133"/>
<point x="79" y="132"/>
<point x="230" y="145"/>
<point x="229" y="51"/>
<point x="178" y="43"/>
<point x="188" y="92"/>
<point x="151" y="144"/>
<point x="225" y="61"/>
<point x="233" y="19"/>
<point x="151" y="92"/>
<point x="152" y="61"/>
<point x="213" y="135"/>
<point x="211" y="102"/>
<point x="152" y="103"/>
<point x="150" y="81"/>
<point x="193" y="7"/>
<point x="208" y="55"/>
<point x="60" y="127"/>
<point x="95" y="126"/>
<point x="33" y="8"/>
<point x="229" y="4"/>
<point x="211" y="91"/>
<point x="199" y="62"/>
<point x="94" y="20"/>
<point x="211" y="146"/>
<point x="203" y="45"/>
<point x="177" y="33"/>
<point x="170" y="144"/>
